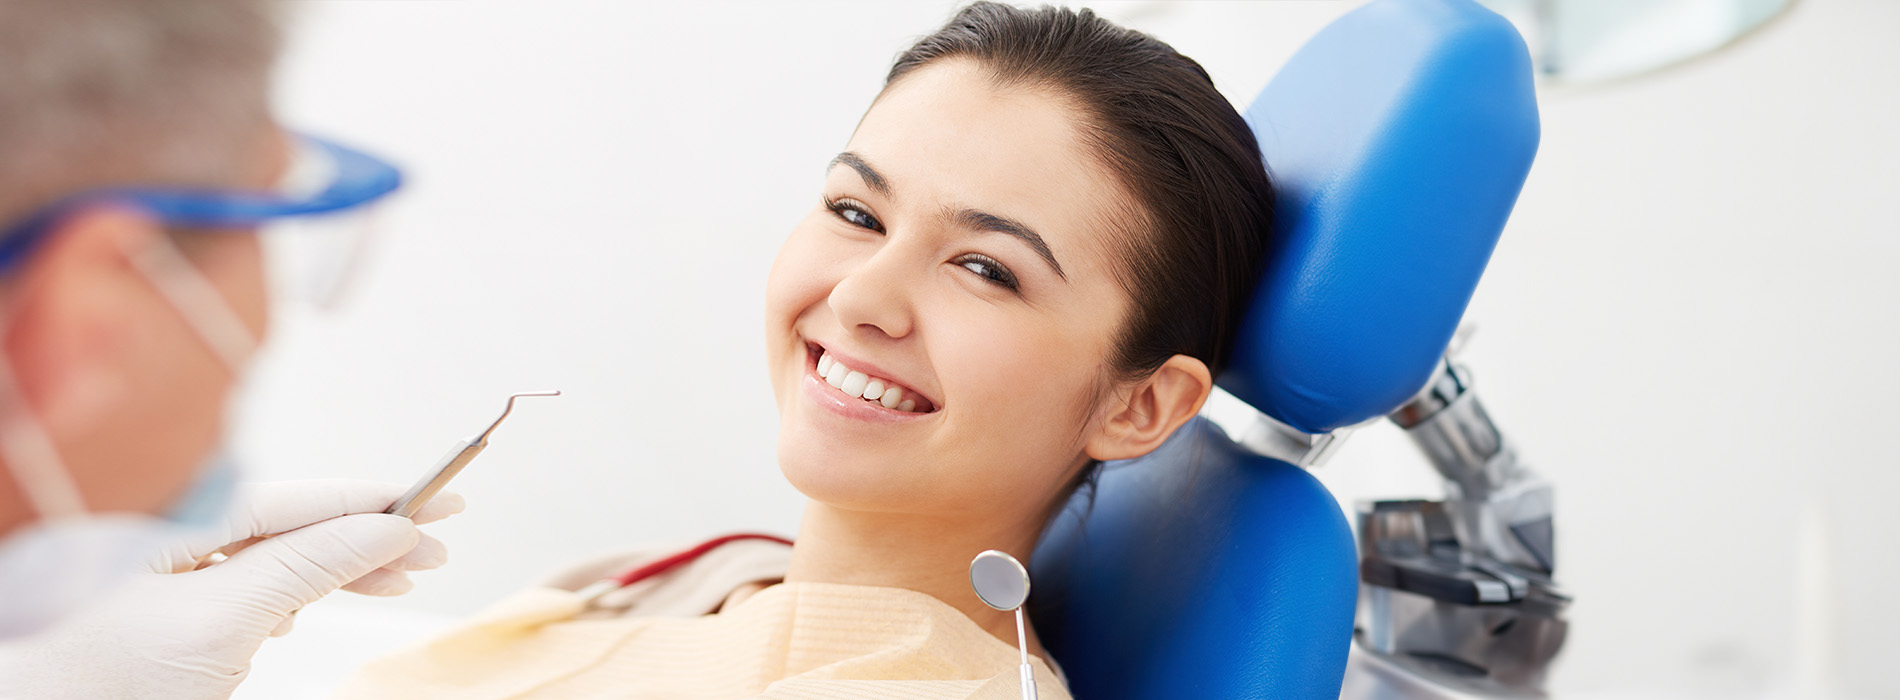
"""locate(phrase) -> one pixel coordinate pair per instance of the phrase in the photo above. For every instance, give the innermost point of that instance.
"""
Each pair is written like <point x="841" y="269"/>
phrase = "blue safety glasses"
<point x="326" y="183"/>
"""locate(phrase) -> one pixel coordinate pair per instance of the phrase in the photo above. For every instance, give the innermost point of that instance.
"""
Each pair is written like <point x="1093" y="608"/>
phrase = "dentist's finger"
<point x="273" y="507"/>
<point x="296" y="568"/>
<point x="284" y="627"/>
<point x="428" y="554"/>
<point x="270" y="508"/>
<point x="444" y="504"/>
<point x="381" y="583"/>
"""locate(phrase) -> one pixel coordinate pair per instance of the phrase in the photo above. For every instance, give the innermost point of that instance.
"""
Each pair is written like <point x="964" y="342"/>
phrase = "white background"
<point x="1690" y="325"/>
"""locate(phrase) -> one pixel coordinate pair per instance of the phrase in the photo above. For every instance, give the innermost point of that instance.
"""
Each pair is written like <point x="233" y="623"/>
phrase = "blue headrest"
<point x="1398" y="139"/>
<point x="1199" y="571"/>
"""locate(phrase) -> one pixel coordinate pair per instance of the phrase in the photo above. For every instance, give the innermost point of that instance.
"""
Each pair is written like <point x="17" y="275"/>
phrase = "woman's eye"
<point x="988" y="268"/>
<point x="854" y="212"/>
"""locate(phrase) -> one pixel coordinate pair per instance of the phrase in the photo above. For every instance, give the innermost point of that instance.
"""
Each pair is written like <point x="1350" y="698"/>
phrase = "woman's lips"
<point x="846" y="385"/>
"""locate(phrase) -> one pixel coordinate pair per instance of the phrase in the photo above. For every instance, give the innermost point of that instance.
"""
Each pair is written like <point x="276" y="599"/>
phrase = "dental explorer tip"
<point x="482" y="438"/>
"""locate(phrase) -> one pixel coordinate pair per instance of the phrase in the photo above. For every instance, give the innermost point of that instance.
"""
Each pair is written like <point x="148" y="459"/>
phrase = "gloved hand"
<point x="189" y="628"/>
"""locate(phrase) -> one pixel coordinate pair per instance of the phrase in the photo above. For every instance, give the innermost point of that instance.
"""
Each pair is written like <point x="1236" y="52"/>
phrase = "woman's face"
<point x="961" y="254"/>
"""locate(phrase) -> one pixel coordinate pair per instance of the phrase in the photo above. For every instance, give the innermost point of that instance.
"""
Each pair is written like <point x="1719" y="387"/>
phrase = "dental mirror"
<point x="1002" y="583"/>
<point x="999" y="580"/>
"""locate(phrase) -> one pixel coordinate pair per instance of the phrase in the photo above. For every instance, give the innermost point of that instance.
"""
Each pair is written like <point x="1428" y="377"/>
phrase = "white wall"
<point x="1689" y="326"/>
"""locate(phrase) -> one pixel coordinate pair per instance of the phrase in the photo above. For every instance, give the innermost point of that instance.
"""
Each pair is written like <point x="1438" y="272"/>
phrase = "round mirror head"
<point x="999" y="580"/>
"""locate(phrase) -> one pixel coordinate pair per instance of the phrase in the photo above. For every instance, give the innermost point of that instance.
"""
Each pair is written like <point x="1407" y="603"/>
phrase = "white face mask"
<point x="71" y="556"/>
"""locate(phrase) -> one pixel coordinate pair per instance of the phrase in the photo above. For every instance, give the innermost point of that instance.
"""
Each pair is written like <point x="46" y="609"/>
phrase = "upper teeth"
<point x="855" y="383"/>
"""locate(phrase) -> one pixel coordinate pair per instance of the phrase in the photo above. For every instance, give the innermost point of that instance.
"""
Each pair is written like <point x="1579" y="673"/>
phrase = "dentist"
<point x="140" y="175"/>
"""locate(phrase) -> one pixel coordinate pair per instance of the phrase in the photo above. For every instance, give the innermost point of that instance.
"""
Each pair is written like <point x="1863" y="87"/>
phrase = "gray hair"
<point x="121" y="92"/>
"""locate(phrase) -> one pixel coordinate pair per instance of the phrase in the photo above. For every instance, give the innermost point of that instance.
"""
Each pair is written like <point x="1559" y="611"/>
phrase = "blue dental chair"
<point x="1217" y="567"/>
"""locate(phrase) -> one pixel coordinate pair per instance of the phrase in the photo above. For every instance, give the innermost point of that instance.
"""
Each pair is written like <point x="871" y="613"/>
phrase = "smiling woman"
<point x="1028" y="259"/>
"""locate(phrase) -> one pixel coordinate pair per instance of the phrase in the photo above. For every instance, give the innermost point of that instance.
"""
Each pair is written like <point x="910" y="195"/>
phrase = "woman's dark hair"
<point x="1153" y="117"/>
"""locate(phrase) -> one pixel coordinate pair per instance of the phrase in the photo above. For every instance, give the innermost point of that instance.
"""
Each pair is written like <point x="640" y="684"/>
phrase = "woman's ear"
<point x="1142" y="416"/>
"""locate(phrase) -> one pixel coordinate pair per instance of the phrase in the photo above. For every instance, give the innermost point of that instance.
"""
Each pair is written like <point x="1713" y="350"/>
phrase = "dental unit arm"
<point x="1457" y="598"/>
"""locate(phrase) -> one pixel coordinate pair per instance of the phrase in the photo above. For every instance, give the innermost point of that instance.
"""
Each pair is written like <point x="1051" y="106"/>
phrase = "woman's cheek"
<point x="790" y="288"/>
<point x="785" y="269"/>
<point x="1020" y="380"/>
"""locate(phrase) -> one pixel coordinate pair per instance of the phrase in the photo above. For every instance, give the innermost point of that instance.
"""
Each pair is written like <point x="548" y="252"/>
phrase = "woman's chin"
<point x="845" y="478"/>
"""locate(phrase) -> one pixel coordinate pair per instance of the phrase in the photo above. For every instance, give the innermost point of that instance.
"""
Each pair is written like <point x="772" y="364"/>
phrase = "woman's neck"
<point x="930" y="556"/>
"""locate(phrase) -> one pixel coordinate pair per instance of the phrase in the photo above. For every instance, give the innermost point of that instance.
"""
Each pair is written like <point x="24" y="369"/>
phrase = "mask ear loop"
<point x="199" y="303"/>
<point x="32" y="457"/>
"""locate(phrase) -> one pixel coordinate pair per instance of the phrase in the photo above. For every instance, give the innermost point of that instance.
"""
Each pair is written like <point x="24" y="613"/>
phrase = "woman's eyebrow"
<point x="968" y="218"/>
<point x="984" y="221"/>
<point x="872" y="178"/>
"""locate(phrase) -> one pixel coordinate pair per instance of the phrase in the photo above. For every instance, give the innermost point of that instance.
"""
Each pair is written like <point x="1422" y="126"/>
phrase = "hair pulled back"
<point x="1204" y="203"/>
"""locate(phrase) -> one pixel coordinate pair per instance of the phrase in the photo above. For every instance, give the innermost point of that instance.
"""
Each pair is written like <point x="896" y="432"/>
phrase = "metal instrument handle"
<point x="452" y="463"/>
<point x="432" y="481"/>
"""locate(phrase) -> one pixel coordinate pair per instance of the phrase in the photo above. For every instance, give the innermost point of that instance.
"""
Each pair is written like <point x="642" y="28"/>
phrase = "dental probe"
<point x="452" y="463"/>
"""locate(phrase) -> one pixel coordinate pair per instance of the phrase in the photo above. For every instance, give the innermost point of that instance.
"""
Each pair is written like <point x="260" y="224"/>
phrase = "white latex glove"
<point x="191" y="634"/>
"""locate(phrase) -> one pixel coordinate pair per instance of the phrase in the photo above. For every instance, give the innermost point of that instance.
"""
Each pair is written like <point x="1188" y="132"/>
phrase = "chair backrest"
<point x="1398" y="138"/>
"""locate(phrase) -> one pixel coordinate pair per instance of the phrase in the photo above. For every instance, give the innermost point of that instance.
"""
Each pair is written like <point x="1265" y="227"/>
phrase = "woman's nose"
<point x="875" y="296"/>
